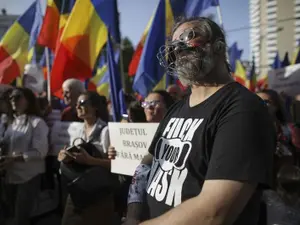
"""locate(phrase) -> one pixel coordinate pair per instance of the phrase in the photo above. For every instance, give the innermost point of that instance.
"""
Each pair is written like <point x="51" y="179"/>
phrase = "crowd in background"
<point x="26" y="169"/>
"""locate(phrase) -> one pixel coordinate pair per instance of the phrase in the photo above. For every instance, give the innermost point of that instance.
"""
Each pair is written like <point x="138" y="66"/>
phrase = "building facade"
<point x="275" y="27"/>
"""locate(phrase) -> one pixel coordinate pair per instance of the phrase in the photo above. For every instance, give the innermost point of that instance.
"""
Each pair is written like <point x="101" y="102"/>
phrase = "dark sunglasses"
<point x="150" y="104"/>
<point x="82" y="103"/>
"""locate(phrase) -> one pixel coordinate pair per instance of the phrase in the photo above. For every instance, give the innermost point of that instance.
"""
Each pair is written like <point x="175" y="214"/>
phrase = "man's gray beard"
<point x="194" y="68"/>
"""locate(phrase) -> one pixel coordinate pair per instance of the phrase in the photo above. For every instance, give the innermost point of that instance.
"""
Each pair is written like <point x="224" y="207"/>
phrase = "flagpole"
<point x="123" y="80"/>
<point x="219" y="12"/>
<point x="48" y="75"/>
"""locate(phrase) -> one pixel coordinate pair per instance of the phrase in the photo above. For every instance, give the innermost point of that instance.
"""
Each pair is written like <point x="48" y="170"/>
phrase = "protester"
<point x="281" y="205"/>
<point x="222" y="133"/>
<point x="91" y="108"/>
<point x="26" y="139"/>
<point x="287" y="133"/>
<point x="72" y="88"/>
<point x="155" y="107"/>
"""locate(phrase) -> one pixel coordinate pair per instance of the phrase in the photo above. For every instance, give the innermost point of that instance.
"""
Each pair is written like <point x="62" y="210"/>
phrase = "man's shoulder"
<point x="240" y="99"/>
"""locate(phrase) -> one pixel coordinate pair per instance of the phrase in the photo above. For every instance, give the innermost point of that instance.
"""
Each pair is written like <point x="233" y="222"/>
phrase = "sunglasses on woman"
<point x="83" y="103"/>
<point x="150" y="104"/>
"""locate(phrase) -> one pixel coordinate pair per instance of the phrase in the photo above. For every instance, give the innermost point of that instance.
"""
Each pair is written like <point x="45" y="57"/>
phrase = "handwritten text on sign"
<point x="131" y="141"/>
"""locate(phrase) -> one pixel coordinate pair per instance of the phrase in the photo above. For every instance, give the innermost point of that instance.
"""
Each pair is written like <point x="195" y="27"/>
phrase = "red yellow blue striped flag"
<point x="14" y="46"/>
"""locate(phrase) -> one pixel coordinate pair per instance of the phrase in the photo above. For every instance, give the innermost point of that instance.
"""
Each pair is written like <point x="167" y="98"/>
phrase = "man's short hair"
<point x="74" y="85"/>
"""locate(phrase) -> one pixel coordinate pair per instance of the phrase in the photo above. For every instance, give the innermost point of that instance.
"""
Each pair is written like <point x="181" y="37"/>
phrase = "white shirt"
<point x="27" y="135"/>
<point x="99" y="136"/>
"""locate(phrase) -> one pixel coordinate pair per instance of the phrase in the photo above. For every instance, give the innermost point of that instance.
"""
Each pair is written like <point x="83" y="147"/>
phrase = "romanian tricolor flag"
<point x="14" y="46"/>
<point x="138" y="51"/>
<point x="83" y="37"/>
<point x="101" y="78"/>
<point x="55" y="19"/>
<point x="49" y="31"/>
<point x="240" y="74"/>
<point x="262" y="82"/>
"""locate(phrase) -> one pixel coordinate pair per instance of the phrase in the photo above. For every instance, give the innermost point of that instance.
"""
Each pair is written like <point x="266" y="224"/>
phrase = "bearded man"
<point x="212" y="154"/>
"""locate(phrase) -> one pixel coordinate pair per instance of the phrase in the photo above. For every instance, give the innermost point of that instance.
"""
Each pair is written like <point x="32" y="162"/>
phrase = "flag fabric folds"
<point x="240" y="74"/>
<point x="234" y="54"/>
<point x="149" y="71"/>
<point x="195" y="8"/>
<point x="277" y="63"/>
<point x="138" y="51"/>
<point x="101" y="78"/>
<point x="49" y="31"/>
<point x="14" y="46"/>
<point x="32" y="55"/>
<point x="286" y="61"/>
<point x="116" y="92"/>
<point x="82" y="39"/>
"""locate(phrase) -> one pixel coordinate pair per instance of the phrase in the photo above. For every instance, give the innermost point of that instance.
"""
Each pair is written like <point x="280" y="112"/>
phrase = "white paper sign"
<point x="62" y="134"/>
<point x="131" y="141"/>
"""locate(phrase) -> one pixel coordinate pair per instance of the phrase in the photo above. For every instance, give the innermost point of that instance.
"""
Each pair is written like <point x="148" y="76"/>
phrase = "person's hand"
<point x="64" y="156"/>
<point x="111" y="153"/>
<point x="6" y="161"/>
<point x="83" y="157"/>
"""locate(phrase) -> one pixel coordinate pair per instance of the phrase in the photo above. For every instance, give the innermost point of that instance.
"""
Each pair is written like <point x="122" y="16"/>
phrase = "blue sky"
<point x="135" y="15"/>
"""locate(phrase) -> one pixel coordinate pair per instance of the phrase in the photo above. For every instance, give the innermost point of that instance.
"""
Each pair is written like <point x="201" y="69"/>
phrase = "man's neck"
<point x="200" y="93"/>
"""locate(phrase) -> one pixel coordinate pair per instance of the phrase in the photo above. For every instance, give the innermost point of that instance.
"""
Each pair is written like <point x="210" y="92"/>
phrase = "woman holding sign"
<point x="155" y="107"/>
<point x="87" y="168"/>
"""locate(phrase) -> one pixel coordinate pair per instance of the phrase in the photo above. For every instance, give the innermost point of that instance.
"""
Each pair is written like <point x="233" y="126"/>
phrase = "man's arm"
<point x="220" y="202"/>
<point x="135" y="207"/>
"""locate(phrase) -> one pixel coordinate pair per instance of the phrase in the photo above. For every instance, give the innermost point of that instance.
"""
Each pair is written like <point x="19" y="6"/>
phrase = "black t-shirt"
<point x="228" y="136"/>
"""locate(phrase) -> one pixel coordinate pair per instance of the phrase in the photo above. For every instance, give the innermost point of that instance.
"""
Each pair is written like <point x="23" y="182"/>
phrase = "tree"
<point x="127" y="53"/>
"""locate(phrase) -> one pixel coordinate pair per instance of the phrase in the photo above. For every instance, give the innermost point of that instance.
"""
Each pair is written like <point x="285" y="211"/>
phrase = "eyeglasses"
<point x="150" y="104"/>
<point x="82" y="103"/>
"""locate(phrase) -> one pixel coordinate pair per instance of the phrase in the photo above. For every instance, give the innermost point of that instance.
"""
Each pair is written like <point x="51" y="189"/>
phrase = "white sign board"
<point x="131" y="141"/>
<point x="62" y="134"/>
<point x="285" y="80"/>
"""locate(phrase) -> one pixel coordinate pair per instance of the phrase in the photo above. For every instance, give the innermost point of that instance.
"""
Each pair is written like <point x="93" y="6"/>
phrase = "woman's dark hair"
<point x="288" y="179"/>
<point x="137" y="113"/>
<point x="4" y="98"/>
<point x="281" y="114"/>
<point x="99" y="103"/>
<point x="168" y="100"/>
<point x="33" y="108"/>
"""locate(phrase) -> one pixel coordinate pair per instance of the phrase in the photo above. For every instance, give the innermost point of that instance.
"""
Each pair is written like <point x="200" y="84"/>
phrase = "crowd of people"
<point x="221" y="154"/>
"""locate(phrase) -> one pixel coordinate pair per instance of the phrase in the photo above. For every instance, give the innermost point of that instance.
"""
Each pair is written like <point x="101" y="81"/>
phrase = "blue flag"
<point x="277" y="63"/>
<point x="116" y="92"/>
